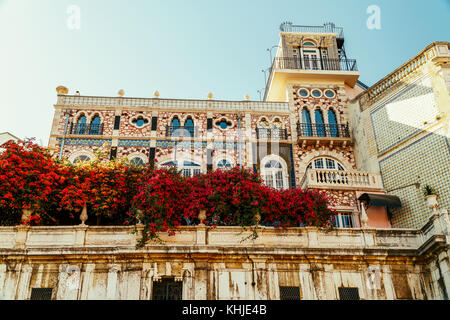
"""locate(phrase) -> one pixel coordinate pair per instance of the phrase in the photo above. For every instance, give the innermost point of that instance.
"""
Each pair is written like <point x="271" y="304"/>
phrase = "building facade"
<point x="401" y="129"/>
<point x="304" y="134"/>
<point x="298" y="137"/>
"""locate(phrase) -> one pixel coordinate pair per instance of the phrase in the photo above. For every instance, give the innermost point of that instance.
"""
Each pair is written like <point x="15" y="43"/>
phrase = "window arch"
<point x="325" y="163"/>
<point x="332" y="121"/>
<point x="81" y="125"/>
<point x="306" y="123"/>
<point x="81" y="158"/>
<point x="189" y="126"/>
<point x="309" y="44"/>
<point x="320" y="125"/>
<point x="263" y="123"/>
<point x="95" y="125"/>
<point x="137" y="161"/>
<point x="274" y="172"/>
<point x="224" y="164"/>
<point x="175" y="126"/>
<point x="188" y="168"/>
<point x="310" y="56"/>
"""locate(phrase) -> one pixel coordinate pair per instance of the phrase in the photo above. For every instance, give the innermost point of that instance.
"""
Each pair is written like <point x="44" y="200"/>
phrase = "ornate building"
<point x="298" y="137"/>
<point x="302" y="135"/>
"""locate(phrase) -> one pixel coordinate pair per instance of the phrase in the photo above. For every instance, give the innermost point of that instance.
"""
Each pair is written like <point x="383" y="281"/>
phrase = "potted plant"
<point x="430" y="196"/>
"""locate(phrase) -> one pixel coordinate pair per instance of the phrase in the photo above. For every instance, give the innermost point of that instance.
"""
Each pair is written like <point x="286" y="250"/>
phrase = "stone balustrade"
<point x="331" y="179"/>
<point x="155" y="103"/>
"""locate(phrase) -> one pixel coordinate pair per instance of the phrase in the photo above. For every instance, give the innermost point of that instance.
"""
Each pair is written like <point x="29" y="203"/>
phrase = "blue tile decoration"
<point x="389" y="133"/>
<point x="134" y="143"/>
<point x="429" y="158"/>
<point x="85" y="142"/>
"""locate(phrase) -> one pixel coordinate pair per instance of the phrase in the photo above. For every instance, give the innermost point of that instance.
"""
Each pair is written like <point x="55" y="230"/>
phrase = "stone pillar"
<point x="21" y="236"/>
<point x="146" y="282"/>
<point x="188" y="281"/>
<point x="201" y="238"/>
<point x="112" y="284"/>
<point x="87" y="279"/>
<point x="273" y="287"/>
<point x="387" y="281"/>
<point x="201" y="280"/>
<point x="24" y="282"/>
<point x="2" y="281"/>
<point x="80" y="235"/>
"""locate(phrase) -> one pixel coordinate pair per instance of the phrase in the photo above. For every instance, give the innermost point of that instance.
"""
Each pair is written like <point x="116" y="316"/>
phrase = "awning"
<point x="381" y="200"/>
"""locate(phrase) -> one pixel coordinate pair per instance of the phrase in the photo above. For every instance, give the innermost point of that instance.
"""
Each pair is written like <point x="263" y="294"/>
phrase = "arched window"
<point x="95" y="126"/>
<point x="263" y="123"/>
<point x="137" y="161"/>
<point x="224" y="164"/>
<point x="333" y="123"/>
<point x="310" y="56"/>
<point x="175" y="127"/>
<point x="325" y="164"/>
<point x="320" y="125"/>
<point x="81" y="158"/>
<point x="189" y="127"/>
<point x="306" y="123"/>
<point x="80" y="127"/>
<point x="187" y="167"/>
<point x="274" y="172"/>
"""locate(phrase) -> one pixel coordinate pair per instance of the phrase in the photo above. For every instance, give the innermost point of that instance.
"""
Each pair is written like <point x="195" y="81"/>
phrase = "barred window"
<point x="289" y="293"/>
<point x="41" y="294"/>
<point x="348" y="293"/>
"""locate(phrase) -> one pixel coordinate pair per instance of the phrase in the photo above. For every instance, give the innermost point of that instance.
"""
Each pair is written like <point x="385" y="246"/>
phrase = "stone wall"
<point x="102" y="262"/>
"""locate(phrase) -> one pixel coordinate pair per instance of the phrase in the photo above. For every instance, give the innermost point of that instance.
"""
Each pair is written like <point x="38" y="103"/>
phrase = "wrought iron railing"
<point x="323" y="130"/>
<point x="276" y="134"/>
<point x="86" y="129"/>
<point x="315" y="64"/>
<point x="182" y="131"/>
<point x="326" y="28"/>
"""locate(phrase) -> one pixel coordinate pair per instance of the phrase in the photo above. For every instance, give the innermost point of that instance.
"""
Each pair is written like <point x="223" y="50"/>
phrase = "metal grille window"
<point x="41" y="294"/>
<point x="167" y="289"/>
<point x="289" y="293"/>
<point x="348" y="293"/>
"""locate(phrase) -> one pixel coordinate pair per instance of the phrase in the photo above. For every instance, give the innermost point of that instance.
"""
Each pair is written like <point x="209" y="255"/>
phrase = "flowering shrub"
<point x="159" y="203"/>
<point x="230" y="197"/>
<point x="118" y="192"/>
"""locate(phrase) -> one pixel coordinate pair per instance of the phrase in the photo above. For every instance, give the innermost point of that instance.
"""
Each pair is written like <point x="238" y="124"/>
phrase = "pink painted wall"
<point x="378" y="217"/>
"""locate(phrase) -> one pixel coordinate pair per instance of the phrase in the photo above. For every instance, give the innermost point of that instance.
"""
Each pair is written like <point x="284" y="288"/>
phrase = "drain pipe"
<point x="65" y="133"/>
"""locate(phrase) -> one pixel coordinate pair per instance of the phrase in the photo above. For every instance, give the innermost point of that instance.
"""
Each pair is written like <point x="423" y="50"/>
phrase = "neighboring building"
<point x="302" y="135"/>
<point x="298" y="137"/>
<point x="401" y="129"/>
<point x="6" y="136"/>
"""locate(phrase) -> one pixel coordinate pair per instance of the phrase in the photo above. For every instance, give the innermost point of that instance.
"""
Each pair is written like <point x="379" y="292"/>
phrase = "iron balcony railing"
<point x="86" y="129"/>
<point x="315" y="64"/>
<point x="181" y="131"/>
<point x="276" y="133"/>
<point x="326" y="28"/>
<point x="323" y="130"/>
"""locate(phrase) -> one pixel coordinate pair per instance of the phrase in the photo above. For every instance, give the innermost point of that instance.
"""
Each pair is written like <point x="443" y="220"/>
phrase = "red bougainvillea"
<point x="118" y="192"/>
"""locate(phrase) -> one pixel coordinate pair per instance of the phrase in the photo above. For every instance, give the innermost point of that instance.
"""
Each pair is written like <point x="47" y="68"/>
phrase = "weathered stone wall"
<point x="102" y="262"/>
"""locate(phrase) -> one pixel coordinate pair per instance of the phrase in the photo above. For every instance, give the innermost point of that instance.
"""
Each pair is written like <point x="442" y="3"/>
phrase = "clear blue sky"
<point x="184" y="49"/>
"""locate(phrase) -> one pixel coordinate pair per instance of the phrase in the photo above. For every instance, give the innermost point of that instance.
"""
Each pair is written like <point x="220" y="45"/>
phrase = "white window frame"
<point x="339" y="220"/>
<point x="272" y="172"/>
<point x="191" y="170"/>
<point x="336" y="164"/>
